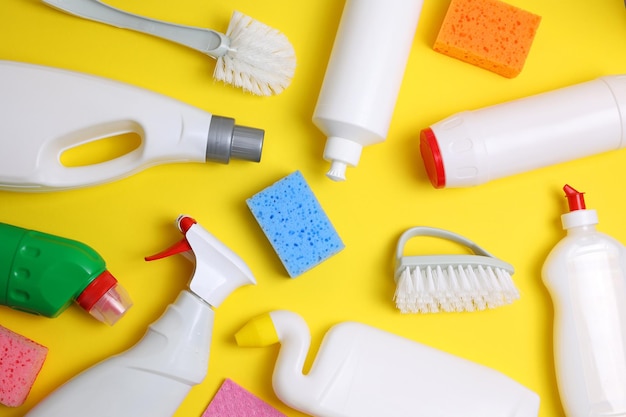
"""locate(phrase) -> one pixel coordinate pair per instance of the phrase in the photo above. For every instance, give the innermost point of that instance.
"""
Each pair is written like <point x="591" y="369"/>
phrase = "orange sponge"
<point x="489" y="34"/>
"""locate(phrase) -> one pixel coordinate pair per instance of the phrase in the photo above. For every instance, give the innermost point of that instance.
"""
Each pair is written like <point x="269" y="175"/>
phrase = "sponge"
<point x="21" y="359"/>
<point x="232" y="400"/>
<point x="295" y="224"/>
<point x="489" y="34"/>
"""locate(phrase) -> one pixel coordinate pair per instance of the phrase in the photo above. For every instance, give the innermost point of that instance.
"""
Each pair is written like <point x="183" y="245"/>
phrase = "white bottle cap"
<point x="341" y="153"/>
<point x="579" y="218"/>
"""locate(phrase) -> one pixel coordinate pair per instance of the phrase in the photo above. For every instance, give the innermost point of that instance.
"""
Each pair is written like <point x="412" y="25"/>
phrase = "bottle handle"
<point x="60" y="176"/>
<point x="71" y="177"/>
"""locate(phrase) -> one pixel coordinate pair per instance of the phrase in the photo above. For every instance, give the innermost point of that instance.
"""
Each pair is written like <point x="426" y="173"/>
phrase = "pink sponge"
<point x="234" y="401"/>
<point x="21" y="360"/>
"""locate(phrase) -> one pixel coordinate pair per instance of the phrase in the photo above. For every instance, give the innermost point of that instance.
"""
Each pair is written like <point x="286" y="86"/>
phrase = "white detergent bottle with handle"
<point x="362" y="371"/>
<point x="152" y="378"/>
<point x="585" y="274"/>
<point x="45" y="112"/>
<point x="363" y="77"/>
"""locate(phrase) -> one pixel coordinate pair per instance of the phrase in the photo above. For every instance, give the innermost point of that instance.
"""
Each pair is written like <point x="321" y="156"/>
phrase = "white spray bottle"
<point x="153" y="377"/>
<point x="46" y="111"/>
<point x="363" y="77"/>
<point x="361" y="371"/>
<point x="586" y="276"/>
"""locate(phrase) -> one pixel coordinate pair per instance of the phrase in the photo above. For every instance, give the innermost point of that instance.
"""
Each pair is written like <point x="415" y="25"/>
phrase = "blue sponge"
<point x="295" y="224"/>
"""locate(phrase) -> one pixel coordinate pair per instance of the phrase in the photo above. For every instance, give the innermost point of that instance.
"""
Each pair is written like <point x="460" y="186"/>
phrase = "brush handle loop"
<point x="206" y="41"/>
<point x="440" y="233"/>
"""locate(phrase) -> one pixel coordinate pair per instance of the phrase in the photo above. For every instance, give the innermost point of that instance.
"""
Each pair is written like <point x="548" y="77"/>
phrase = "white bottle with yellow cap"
<point x="362" y="371"/>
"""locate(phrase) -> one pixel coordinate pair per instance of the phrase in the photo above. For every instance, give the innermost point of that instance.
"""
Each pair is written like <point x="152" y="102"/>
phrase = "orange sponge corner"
<point x="490" y="34"/>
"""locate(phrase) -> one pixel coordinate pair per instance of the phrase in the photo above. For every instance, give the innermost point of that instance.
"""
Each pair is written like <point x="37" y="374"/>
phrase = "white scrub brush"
<point x="435" y="283"/>
<point x="251" y="55"/>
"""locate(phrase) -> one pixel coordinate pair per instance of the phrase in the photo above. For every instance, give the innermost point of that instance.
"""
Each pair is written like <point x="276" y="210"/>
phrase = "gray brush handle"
<point x="440" y="233"/>
<point x="207" y="41"/>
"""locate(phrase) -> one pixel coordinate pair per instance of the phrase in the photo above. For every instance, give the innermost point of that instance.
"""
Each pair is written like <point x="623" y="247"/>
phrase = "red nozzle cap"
<point x="185" y="222"/>
<point x="105" y="299"/>
<point x="575" y="199"/>
<point x="431" y="155"/>
<point x="95" y="290"/>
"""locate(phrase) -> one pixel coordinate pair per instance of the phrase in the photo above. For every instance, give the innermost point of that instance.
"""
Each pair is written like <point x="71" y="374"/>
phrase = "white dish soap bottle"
<point x="585" y="274"/>
<point x="153" y="377"/>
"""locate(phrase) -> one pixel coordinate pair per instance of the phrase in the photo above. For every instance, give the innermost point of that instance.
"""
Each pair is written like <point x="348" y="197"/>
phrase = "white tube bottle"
<point x="363" y="77"/>
<point x="473" y="147"/>
<point x="586" y="276"/>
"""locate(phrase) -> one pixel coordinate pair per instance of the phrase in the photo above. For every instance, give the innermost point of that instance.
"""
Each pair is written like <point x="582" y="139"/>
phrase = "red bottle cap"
<point x="95" y="290"/>
<point x="105" y="299"/>
<point x="431" y="155"/>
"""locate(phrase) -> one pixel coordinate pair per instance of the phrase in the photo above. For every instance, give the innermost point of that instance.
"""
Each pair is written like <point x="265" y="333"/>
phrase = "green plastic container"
<point x="43" y="274"/>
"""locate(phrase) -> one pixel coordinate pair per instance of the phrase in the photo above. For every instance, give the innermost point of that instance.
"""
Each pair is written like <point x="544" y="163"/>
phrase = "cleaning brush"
<point x="435" y="283"/>
<point x="251" y="55"/>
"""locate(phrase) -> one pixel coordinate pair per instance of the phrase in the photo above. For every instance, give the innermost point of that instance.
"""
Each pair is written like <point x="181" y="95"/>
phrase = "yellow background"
<point x="516" y="218"/>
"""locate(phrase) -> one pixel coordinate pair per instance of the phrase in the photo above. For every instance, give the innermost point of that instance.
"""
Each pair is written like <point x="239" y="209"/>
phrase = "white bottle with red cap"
<point x="586" y="276"/>
<point x="473" y="147"/>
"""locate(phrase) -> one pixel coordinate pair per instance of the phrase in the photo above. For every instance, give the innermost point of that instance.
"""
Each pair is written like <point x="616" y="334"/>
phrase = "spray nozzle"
<point x="575" y="199"/>
<point x="218" y="270"/>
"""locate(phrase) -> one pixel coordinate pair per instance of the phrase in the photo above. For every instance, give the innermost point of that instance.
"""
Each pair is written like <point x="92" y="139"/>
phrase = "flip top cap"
<point x="578" y="214"/>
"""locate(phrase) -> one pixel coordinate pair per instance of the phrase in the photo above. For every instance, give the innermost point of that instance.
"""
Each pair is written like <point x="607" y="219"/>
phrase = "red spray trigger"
<point x="176" y="248"/>
<point x="575" y="199"/>
<point x="183" y="223"/>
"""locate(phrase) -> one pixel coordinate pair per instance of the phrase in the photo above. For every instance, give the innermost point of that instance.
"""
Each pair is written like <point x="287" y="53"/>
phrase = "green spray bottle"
<point x="44" y="274"/>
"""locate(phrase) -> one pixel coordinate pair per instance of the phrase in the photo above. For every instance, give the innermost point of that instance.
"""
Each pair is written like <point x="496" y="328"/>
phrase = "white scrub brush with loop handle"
<point x="450" y="283"/>
<point x="251" y="55"/>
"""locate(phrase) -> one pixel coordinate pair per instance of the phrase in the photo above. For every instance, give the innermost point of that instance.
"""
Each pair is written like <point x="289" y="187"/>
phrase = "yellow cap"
<point x="258" y="332"/>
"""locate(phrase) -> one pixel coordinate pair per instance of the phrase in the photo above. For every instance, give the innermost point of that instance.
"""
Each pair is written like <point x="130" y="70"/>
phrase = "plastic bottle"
<point x="363" y="77"/>
<point x="473" y="147"/>
<point x="586" y="276"/>
<point x="44" y="274"/>
<point x="361" y="371"/>
<point x="46" y="111"/>
<point x="153" y="377"/>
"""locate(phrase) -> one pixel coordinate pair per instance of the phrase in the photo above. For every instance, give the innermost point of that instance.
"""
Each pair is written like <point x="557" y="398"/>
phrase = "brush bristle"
<point x="260" y="60"/>
<point x="464" y="288"/>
